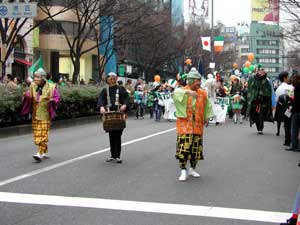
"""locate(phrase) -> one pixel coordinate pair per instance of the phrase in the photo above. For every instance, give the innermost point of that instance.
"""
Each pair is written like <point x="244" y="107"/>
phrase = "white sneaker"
<point x="193" y="173"/>
<point x="183" y="176"/>
<point x="38" y="157"/>
<point x="46" y="155"/>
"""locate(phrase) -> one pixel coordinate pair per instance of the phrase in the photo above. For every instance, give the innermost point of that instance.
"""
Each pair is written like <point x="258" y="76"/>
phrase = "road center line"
<point x="150" y="207"/>
<point x="52" y="167"/>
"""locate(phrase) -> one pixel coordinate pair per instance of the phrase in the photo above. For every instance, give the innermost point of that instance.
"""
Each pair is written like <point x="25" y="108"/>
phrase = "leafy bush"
<point x="10" y="100"/>
<point x="76" y="101"/>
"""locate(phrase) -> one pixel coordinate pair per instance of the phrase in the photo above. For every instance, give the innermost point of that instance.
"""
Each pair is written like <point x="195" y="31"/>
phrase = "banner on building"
<point x="36" y="37"/>
<point x="206" y="43"/>
<point x="198" y="8"/>
<point x="265" y="10"/>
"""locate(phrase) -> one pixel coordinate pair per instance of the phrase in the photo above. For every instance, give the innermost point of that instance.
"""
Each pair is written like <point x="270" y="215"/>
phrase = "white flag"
<point x="206" y="43"/>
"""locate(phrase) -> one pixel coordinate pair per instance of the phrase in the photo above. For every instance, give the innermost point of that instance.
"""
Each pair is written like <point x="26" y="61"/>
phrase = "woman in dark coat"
<point x="259" y="100"/>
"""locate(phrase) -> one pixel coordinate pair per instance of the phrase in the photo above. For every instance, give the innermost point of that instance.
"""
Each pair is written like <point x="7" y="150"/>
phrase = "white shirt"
<point x="283" y="89"/>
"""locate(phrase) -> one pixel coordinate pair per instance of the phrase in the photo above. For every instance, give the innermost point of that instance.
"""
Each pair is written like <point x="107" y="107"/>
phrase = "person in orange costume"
<point x="193" y="111"/>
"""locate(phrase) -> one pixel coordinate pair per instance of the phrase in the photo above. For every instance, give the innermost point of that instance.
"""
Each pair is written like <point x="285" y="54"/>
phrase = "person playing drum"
<point x="113" y="98"/>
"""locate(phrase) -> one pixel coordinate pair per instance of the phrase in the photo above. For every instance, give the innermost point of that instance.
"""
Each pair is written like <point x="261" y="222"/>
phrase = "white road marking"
<point x="43" y="170"/>
<point x="151" y="207"/>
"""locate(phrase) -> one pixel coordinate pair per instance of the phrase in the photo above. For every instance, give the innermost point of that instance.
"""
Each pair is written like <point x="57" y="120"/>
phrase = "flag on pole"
<point x="206" y="43"/>
<point x="219" y="43"/>
<point x="35" y="66"/>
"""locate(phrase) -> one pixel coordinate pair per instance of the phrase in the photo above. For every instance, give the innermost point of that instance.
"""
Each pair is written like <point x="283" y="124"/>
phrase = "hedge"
<point x="76" y="101"/>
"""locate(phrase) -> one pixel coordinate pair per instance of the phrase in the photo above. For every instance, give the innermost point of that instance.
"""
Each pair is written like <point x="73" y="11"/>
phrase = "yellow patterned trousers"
<point x="41" y="129"/>
<point x="189" y="147"/>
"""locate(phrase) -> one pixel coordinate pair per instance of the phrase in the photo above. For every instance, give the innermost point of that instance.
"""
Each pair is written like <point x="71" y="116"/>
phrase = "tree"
<point x="291" y="8"/>
<point x="143" y="38"/>
<point x="10" y="29"/>
<point x="87" y="14"/>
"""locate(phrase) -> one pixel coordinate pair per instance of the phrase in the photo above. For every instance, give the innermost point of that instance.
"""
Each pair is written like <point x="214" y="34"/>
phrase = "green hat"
<point x="193" y="74"/>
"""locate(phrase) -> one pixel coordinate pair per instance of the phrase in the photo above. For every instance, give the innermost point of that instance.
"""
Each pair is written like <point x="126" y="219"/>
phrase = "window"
<point x="267" y="60"/>
<point x="50" y="27"/>
<point x="267" y="42"/>
<point x="271" y="69"/>
<point x="267" y="51"/>
<point x="245" y="50"/>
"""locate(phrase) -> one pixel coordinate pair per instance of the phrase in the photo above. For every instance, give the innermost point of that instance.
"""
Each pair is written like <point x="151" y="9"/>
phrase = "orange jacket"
<point x="194" y="122"/>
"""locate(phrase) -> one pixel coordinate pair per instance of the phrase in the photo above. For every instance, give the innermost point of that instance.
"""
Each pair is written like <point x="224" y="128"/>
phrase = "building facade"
<point x="267" y="45"/>
<point x="54" y="49"/>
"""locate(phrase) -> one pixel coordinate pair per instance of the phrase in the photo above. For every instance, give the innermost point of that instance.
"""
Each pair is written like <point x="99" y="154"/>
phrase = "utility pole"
<point x="212" y="31"/>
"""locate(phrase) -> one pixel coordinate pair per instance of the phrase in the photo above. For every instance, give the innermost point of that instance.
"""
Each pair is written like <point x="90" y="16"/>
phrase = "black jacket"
<point x="123" y="97"/>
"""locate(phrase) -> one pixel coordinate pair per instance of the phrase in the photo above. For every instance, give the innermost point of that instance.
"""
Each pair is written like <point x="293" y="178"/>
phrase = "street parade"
<point x="149" y="112"/>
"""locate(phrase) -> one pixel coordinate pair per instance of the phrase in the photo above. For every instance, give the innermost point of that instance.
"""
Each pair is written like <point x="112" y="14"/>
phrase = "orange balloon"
<point x="235" y="65"/>
<point x="188" y="61"/>
<point x="157" y="78"/>
<point x="247" y="63"/>
<point x="251" y="57"/>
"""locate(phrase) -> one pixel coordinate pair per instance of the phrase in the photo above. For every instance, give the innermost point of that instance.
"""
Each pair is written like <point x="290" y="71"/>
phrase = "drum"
<point x="113" y="120"/>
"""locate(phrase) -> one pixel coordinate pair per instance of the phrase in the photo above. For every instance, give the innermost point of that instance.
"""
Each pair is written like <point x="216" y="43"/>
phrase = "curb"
<point x="12" y="131"/>
<point x="6" y="132"/>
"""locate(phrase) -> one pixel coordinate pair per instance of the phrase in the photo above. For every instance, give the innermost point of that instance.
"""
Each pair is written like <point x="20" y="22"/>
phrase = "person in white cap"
<point x="193" y="110"/>
<point x="42" y="100"/>
<point x="118" y="101"/>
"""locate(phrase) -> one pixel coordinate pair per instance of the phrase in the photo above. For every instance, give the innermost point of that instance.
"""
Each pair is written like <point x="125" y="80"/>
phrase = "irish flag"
<point x="219" y="44"/>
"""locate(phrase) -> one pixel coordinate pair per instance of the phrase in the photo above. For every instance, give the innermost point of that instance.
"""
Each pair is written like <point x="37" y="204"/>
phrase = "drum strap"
<point x="109" y="100"/>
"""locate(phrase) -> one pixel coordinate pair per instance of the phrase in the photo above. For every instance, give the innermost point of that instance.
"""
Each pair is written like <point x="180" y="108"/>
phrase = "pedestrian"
<point x="193" y="110"/>
<point x="113" y="98"/>
<point x="129" y="87"/>
<point x="159" y="103"/>
<point x="42" y="100"/>
<point x="139" y="100"/>
<point x="295" y="211"/>
<point x="18" y="81"/>
<point x="11" y="85"/>
<point x="237" y="103"/>
<point x="259" y="100"/>
<point x="295" y="124"/>
<point x="283" y="94"/>
<point x="150" y="96"/>
<point x="49" y="78"/>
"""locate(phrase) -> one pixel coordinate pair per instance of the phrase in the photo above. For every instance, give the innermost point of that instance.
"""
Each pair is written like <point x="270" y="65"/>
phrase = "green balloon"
<point x="252" y="68"/>
<point x="246" y="70"/>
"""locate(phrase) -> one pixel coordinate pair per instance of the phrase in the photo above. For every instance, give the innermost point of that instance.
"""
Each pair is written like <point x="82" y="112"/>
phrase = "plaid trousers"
<point x="189" y="147"/>
<point x="41" y="129"/>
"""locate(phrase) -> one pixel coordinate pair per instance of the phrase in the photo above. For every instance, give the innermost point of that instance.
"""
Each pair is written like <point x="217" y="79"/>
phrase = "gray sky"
<point x="229" y="12"/>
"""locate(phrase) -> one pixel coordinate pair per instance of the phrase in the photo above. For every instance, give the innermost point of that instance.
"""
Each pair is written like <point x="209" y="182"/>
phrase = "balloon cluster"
<point x="248" y="67"/>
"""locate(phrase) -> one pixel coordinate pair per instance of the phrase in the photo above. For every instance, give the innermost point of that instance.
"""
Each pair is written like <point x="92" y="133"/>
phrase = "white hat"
<point x="172" y="83"/>
<point x="210" y="76"/>
<point x="111" y="74"/>
<point x="40" y="71"/>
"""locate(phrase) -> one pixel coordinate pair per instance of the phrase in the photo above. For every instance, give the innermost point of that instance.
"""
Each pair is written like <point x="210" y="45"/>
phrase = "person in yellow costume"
<point x="41" y="100"/>
<point x="193" y="110"/>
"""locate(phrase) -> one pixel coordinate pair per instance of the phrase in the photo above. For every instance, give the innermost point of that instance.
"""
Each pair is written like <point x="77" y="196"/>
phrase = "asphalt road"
<point x="245" y="178"/>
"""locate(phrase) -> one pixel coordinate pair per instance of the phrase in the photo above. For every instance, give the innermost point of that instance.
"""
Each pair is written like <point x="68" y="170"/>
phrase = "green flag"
<point x="35" y="66"/>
